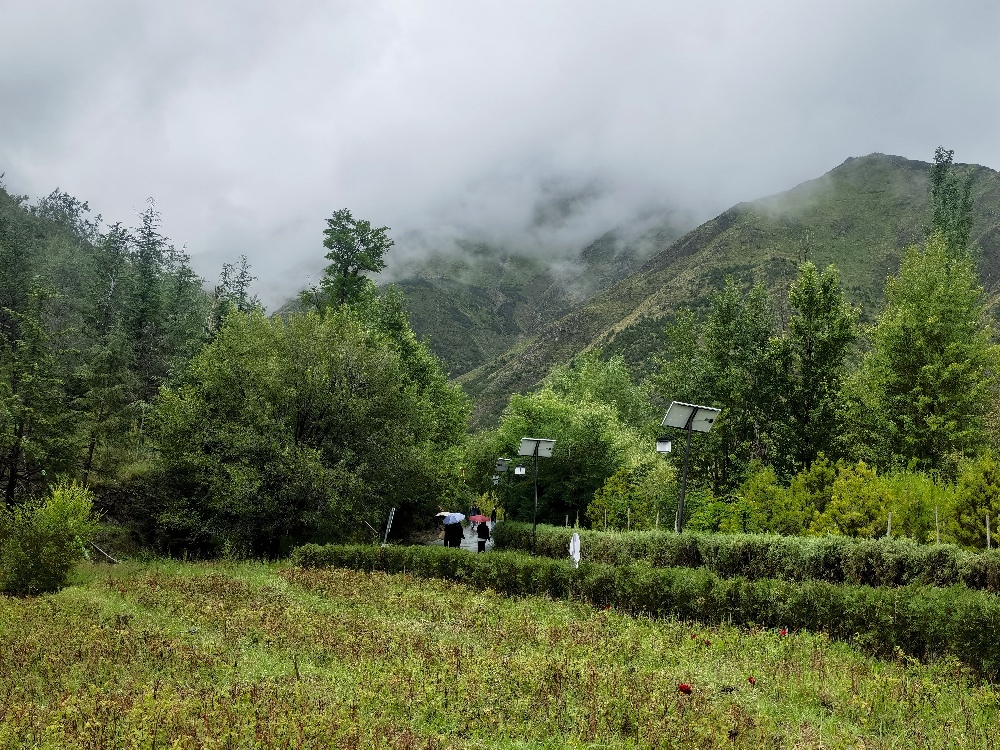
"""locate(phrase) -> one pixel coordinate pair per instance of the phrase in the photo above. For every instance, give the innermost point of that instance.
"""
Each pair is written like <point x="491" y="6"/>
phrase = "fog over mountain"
<point x="535" y="126"/>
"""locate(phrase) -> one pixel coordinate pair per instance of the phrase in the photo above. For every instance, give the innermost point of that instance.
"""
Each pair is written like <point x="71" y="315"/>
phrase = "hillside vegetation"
<point x="181" y="655"/>
<point x="479" y="300"/>
<point x="858" y="216"/>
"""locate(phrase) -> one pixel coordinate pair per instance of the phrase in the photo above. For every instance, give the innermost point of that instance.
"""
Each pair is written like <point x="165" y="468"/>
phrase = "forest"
<point x="189" y="422"/>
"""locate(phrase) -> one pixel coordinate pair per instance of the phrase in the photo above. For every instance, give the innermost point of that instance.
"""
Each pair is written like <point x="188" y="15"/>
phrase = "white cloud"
<point x="251" y="122"/>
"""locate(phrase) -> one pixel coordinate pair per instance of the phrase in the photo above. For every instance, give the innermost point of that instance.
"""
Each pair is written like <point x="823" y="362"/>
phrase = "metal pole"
<point x="679" y="521"/>
<point x="534" y="523"/>
<point x="388" y="525"/>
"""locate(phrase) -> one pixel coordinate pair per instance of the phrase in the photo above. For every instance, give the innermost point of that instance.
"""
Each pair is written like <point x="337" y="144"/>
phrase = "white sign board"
<point x="663" y="446"/>
<point x="701" y="417"/>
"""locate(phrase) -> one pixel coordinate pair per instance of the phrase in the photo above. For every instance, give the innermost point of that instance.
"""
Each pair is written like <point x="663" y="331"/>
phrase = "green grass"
<point x="184" y="655"/>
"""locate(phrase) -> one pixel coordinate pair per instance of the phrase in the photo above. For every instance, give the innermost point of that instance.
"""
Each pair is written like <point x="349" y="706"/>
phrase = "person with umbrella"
<point x="453" y="534"/>
<point x="483" y="532"/>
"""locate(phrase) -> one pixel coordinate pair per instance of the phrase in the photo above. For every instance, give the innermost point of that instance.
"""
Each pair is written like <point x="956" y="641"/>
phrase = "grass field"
<point x="172" y="655"/>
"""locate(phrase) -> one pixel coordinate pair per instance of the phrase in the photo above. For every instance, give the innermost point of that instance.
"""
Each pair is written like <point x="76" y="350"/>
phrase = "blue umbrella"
<point x="453" y="518"/>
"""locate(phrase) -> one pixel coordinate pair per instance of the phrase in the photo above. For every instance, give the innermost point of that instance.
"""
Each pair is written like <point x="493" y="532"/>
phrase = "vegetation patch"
<point x="835" y="559"/>
<point x="921" y="621"/>
<point x="181" y="655"/>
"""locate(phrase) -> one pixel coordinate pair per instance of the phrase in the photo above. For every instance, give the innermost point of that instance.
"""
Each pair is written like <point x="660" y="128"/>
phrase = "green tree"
<point x="859" y="504"/>
<point x="810" y="361"/>
<point x="231" y="294"/>
<point x="726" y="362"/>
<point x="355" y="248"/>
<point x="977" y="494"/>
<point x="590" y="408"/>
<point x="927" y="385"/>
<point x="952" y="201"/>
<point x="305" y="429"/>
<point x="635" y="497"/>
<point x="37" y="426"/>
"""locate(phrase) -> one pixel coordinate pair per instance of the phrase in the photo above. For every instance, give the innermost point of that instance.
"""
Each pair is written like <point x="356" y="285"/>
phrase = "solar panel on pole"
<point x="690" y="418"/>
<point x="535" y="447"/>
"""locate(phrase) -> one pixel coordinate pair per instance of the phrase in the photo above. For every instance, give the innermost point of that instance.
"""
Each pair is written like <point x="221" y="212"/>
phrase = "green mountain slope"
<point x="858" y="216"/>
<point x="477" y="303"/>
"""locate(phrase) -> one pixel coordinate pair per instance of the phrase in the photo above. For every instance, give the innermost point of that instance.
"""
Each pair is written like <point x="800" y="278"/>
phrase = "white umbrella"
<point x="442" y="513"/>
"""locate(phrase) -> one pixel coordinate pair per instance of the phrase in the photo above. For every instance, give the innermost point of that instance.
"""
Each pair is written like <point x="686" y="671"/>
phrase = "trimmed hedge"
<point x="923" y="621"/>
<point x="834" y="559"/>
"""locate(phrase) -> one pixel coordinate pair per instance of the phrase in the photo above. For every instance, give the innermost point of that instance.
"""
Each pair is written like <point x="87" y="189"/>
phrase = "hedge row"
<point x="923" y="621"/>
<point x="834" y="559"/>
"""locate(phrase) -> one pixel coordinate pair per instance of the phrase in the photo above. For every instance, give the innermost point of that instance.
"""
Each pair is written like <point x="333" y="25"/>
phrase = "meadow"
<point x="226" y="655"/>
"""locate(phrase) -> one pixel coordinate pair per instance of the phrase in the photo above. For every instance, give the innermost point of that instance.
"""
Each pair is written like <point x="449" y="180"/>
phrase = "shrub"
<point x="833" y="559"/>
<point x="42" y="539"/>
<point x="920" y="620"/>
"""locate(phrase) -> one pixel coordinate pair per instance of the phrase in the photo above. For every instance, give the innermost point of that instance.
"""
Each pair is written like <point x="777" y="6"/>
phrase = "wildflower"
<point x="684" y="688"/>
<point x="693" y="636"/>
<point x="752" y="681"/>
<point x="783" y="631"/>
<point x="708" y="642"/>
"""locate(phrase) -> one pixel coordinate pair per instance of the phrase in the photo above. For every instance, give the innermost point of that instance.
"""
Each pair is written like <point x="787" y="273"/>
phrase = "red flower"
<point x="752" y="681"/>
<point x="693" y="636"/>
<point x="684" y="688"/>
<point x="783" y="631"/>
<point x="708" y="642"/>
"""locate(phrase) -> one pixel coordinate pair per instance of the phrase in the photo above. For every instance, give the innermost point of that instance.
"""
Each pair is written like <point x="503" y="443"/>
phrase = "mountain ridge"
<point x="859" y="216"/>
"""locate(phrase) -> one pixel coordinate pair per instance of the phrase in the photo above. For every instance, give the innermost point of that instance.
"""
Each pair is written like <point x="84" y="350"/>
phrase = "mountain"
<point x="479" y="300"/>
<point x="859" y="216"/>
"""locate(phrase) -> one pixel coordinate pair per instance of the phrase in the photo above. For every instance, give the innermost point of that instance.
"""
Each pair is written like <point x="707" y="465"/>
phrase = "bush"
<point x="833" y="559"/>
<point x="42" y="539"/>
<point x="917" y="619"/>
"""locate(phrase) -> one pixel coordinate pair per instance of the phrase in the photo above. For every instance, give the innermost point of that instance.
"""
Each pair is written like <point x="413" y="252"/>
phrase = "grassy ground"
<point x="183" y="655"/>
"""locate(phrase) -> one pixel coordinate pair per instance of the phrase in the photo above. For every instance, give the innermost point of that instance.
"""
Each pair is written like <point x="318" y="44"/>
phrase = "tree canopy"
<point x="309" y="428"/>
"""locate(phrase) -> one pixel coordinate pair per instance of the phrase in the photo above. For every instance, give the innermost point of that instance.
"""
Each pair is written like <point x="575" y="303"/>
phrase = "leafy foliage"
<point x="835" y="559"/>
<point x="810" y="359"/>
<point x="917" y="620"/>
<point x="355" y="248"/>
<point x="42" y="539"/>
<point x="310" y="427"/>
<point x="725" y="362"/>
<point x="929" y="381"/>
<point x="596" y="415"/>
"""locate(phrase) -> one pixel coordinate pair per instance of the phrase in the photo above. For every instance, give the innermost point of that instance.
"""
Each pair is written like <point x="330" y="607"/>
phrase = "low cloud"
<point x="533" y="126"/>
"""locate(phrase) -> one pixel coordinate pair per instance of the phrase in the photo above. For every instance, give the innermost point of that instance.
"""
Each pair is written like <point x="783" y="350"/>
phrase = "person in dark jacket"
<point x="484" y="535"/>
<point x="453" y="535"/>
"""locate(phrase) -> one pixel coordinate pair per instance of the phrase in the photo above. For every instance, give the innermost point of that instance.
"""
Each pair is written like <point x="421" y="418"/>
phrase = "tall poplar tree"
<point x="810" y="358"/>
<point x="929" y="381"/>
<point x="926" y="386"/>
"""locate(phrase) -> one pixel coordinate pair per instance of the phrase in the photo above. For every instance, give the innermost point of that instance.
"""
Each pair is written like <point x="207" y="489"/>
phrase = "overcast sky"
<point x="251" y="122"/>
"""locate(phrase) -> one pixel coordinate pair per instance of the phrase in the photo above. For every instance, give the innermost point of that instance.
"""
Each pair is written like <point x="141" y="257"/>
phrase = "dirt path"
<point x="470" y="541"/>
